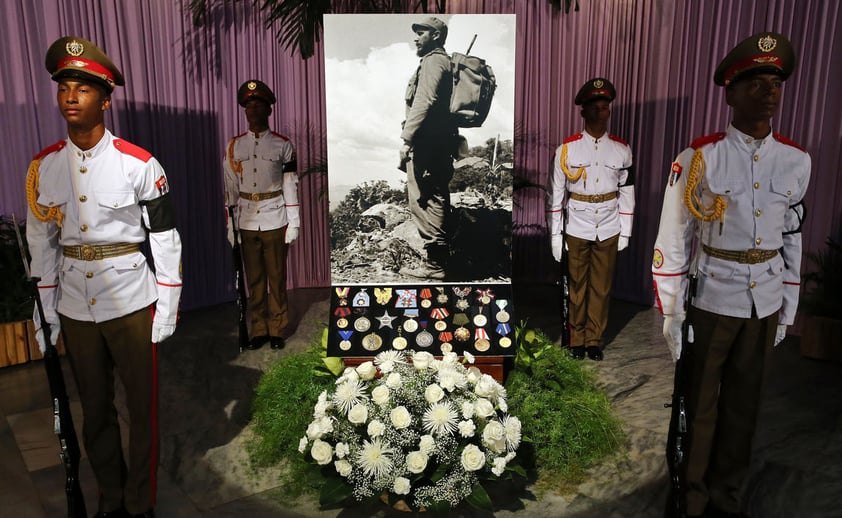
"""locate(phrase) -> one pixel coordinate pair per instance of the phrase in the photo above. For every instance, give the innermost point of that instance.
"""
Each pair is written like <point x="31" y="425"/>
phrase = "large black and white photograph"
<point x="420" y="130"/>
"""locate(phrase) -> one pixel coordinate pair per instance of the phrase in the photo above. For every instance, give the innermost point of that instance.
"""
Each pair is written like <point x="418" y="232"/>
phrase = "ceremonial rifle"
<point x="565" y="285"/>
<point x="62" y="418"/>
<point x="239" y="283"/>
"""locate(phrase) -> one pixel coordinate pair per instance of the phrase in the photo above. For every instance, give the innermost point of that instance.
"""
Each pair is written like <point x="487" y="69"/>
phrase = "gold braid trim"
<point x="580" y="173"/>
<point x="237" y="167"/>
<point x="716" y="210"/>
<point x="41" y="212"/>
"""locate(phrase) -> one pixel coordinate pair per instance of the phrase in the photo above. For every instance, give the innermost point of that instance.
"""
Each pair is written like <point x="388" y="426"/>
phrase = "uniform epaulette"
<point x="707" y="139"/>
<point x="615" y="138"/>
<point x="572" y="138"/>
<point x="281" y="136"/>
<point x="58" y="146"/>
<point x="783" y="140"/>
<point x="130" y="149"/>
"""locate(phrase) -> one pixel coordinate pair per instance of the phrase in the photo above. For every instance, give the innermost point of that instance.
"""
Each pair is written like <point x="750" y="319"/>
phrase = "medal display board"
<point x="367" y="320"/>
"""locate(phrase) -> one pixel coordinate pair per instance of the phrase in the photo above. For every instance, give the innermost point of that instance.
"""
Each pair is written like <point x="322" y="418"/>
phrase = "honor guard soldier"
<point x="738" y="195"/>
<point x="261" y="181"/>
<point x="93" y="199"/>
<point x="591" y="208"/>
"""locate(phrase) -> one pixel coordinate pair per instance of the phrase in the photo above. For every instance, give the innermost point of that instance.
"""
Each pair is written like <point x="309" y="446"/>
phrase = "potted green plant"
<point x="15" y="298"/>
<point x="822" y="304"/>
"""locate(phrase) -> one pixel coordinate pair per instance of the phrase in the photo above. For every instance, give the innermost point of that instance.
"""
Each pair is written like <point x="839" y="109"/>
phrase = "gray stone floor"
<point x="207" y="390"/>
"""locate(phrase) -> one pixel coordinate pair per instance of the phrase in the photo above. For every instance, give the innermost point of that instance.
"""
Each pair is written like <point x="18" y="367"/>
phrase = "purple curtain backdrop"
<point x="179" y="103"/>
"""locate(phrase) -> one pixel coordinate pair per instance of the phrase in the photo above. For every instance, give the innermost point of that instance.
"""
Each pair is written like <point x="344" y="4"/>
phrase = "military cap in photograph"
<point x="596" y="88"/>
<point x="432" y="23"/>
<point x="78" y="58"/>
<point x="765" y="52"/>
<point x="254" y="89"/>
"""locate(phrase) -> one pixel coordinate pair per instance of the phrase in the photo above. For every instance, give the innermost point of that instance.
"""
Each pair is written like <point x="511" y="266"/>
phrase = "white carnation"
<point x="450" y="357"/>
<point x="467" y="410"/>
<point x="302" y="444"/>
<point x="342" y="449"/>
<point x="427" y="444"/>
<point x="469" y="357"/>
<point x="376" y="428"/>
<point x="422" y="360"/>
<point x="474" y="374"/>
<point x="401" y="486"/>
<point x="486" y="387"/>
<point x="499" y="466"/>
<point x="467" y="428"/>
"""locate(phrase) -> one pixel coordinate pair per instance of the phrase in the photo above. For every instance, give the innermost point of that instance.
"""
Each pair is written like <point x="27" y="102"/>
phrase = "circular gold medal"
<point x="410" y="326"/>
<point x="503" y="316"/>
<point x="480" y="320"/>
<point x="425" y="303"/>
<point x="462" y="334"/>
<point x="485" y="299"/>
<point x="372" y="342"/>
<point x="424" y="339"/>
<point x="342" y="323"/>
<point x="482" y="345"/>
<point x="362" y="324"/>
<point x="440" y="325"/>
<point x="399" y="343"/>
<point x="345" y="345"/>
<point x="505" y="342"/>
<point x="446" y="347"/>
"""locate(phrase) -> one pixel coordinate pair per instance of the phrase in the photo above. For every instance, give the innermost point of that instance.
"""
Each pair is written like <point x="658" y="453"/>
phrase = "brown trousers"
<point x="591" y="270"/>
<point x="725" y="367"/>
<point x="265" y="265"/>
<point x="95" y="350"/>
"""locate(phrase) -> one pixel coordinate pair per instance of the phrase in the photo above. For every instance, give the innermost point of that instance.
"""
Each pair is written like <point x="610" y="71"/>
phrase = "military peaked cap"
<point x="78" y="58"/>
<point x="765" y="52"/>
<point x="596" y="88"/>
<point x="432" y="23"/>
<point x="254" y="89"/>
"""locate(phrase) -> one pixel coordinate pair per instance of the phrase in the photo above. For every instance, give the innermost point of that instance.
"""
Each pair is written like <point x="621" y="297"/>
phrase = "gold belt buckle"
<point x="753" y="255"/>
<point x="87" y="252"/>
<point x="255" y="196"/>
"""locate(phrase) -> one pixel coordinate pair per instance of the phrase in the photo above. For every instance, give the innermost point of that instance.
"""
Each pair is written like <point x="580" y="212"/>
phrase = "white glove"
<point x="230" y="225"/>
<point x="291" y="235"/>
<point x="161" y="332"/>
<point x="55" y="328"/>
<point x="623" y="243"/>
<point x="556" y="245"/>
<point x="672" y="333"/>
<point x="780" y="334"/>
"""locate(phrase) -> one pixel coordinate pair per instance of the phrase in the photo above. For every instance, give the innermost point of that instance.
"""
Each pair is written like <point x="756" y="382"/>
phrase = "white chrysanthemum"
<point x="469" y="357"/>
<point x="401" y="486"/>
<point x="451" y="377"/>
<point x="376" y="428"/>
<point x="393" y="380"/>
<point x="348" y="394"/>
<point x="302" y="444"/>
<point x="513" y="432"/>
<point x="375" y="458"/>
<point x="342" y="449"/>
<point x="427" y="444"/>
<point x="467" y="428"/>
<point x="380" y="395"/>
<point x="389" y="356"/>
<point x="433" y="393"/>
<point x="440" y="418"/>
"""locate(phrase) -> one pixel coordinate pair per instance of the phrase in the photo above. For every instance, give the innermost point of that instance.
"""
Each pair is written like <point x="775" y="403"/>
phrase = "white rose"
<point x="467" y="410"/>
<point x="314" y="430"/>
<point x="376" y="428"/>
<point x="401" y="486"/>
<point x="380" y="394"/>
<point x="494" y="436"/>
<point x="367" y="371"/>
<point x="302" y="444"/>
<point x="483" y="407"/>
<point x="416" y="461"/>
<point x="467" y="428"/>
<point x="474" y="374"/>
<point x="322" y="452"/>
<point x="350" y="374"/>
<point x="400" y="417"/>
<point x="393" y="380"/>
<point x="427" y="444"/>
<point x="358" y="414"/>
<point x="469" y="357"/>
<point x="343" y="467"/>
<point x="433" y="393"/>
<point x="422" y="360"/>
<point x="486" y="386"/>
<point x="472" y="458"/>
<point x="342" y="449"/>
<point x="499" y="466"/>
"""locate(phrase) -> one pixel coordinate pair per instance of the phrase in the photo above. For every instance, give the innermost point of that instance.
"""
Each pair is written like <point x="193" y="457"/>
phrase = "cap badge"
<point x="767" y="43"/>
<point x="598" y="83"/>
<point x="76" y="63"/>
<point x="74" y="48"/>
<point x="252" y="85"/>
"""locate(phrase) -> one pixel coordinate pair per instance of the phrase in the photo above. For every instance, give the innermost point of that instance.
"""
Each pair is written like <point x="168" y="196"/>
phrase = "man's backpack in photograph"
<point x="473" y="89"/>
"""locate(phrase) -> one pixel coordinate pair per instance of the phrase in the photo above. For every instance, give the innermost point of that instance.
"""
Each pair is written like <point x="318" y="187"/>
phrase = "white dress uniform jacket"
<point x="606" y="162"/>
<point x="267" y="164"/>
<point x="101" y="193"/>
<point x="762" y="182"/>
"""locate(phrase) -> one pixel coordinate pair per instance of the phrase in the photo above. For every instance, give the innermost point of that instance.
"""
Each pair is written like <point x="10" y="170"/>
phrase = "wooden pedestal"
<point x="491" y="365"/>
